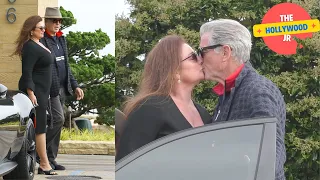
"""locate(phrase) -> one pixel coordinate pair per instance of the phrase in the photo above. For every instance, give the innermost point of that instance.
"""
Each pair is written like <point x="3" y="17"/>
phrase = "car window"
<point x="222" y="154"/>
<point x="6" y="102"/>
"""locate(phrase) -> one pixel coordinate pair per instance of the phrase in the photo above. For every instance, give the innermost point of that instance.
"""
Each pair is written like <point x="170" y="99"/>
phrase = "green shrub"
<point x="95" y="135"/>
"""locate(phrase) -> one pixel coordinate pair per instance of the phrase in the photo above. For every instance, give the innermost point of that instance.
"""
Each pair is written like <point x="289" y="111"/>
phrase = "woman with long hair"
<point x="164" y="102"/>
<point x="36" y="80"/>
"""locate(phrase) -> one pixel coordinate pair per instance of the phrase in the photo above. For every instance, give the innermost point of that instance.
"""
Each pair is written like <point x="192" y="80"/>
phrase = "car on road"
<point x="17" y="135"/>
<point x="242" y="150"/>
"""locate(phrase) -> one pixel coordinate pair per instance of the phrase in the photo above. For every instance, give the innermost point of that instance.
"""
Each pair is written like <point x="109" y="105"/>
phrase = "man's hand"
<point x="79" y="93"/>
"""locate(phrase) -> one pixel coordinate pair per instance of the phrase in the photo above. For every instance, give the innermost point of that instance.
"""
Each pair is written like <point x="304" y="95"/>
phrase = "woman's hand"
<point x="32" y="97"/>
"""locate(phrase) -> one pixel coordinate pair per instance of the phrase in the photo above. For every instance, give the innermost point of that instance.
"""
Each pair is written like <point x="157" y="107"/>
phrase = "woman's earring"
<point x="179" y="81"/>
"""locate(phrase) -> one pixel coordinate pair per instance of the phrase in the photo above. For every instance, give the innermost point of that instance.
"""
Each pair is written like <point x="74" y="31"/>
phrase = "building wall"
<point x="10" y="67"/>
<point x="42" y="4"/>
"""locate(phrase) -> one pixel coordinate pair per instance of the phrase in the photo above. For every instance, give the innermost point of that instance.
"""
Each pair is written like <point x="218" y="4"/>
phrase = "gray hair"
<point x="232" y="33"/>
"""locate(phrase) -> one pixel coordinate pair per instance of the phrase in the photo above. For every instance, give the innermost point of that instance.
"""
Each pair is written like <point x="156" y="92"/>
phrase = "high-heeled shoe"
<point x="50" y="172"/>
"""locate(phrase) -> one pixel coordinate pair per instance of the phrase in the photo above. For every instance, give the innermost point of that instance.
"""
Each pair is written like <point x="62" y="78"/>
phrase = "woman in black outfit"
<point x="164" y="102"/>
<point x="36" y="80"/>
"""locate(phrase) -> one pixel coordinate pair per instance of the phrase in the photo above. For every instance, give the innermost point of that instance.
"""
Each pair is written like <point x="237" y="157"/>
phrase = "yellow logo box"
<point x="283" y="28"/>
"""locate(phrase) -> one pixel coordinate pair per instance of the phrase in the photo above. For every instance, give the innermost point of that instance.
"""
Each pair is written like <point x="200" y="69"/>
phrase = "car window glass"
<point x="223" y="154"/>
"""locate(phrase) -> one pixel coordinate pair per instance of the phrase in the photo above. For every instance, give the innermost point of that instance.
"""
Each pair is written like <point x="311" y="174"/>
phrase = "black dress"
<point x="158" y="116"/>
<point x="36" y="75"/>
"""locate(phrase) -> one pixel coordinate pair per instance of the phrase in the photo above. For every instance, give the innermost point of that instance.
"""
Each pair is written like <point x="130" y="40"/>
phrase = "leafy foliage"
<point x="94" y="73"/>
<point x="86" y="135"/>
<point x="68" y="18"/>
<point x="297" y="76"/>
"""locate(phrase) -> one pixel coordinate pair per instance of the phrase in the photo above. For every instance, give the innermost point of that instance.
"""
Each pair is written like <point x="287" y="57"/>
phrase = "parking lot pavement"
<point x="97" y="166"/>
<point x="83" y="167"/>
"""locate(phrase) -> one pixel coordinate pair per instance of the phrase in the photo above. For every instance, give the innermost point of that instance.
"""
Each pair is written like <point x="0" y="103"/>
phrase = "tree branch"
<point x="99" y="81"/>
<point x="110" y="78"/>
<point x="93" y="112"/>
<point x="94" y="82"/>
<point x="89" y="53"/>
<point x="78" y="113"/>
<point x="73" y="51"/>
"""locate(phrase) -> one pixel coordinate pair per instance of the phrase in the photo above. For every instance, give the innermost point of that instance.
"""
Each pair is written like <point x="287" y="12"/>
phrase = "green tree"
<point x="297" y="76"/>
<point x="94" y="73"/>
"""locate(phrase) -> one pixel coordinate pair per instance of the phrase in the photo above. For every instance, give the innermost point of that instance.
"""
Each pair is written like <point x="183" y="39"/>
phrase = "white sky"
<point x="122" y="7"/>
<point x="94" y="14"/>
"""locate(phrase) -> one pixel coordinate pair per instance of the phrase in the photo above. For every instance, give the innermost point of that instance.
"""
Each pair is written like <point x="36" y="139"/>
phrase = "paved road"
<point x="83" y="165"/>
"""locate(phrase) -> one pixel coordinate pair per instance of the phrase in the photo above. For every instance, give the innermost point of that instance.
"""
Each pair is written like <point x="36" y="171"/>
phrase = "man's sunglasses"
<point x="202" y="51"/>
<point x="56" y="20"/>
<point x="41" y="28"/>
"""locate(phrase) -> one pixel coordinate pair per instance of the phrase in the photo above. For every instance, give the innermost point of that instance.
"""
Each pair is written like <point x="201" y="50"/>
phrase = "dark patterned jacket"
<point x="255" y="96"/>
<point x="72" y="83"/>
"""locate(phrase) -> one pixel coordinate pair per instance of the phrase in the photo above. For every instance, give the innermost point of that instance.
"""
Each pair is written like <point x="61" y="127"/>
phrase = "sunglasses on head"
<point x="41" y="28"/>
<point x="202" y="51"/>
<point x="193" y="57"/>
<point x="56" y="20"/>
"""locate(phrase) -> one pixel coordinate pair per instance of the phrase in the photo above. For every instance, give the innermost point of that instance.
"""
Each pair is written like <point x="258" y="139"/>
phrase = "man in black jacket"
<point x="225" y="51"/>
<point x="63" y="82"/>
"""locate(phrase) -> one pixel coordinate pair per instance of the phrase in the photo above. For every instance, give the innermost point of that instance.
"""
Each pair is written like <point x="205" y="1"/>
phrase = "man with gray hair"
<point x="225" y="48"/>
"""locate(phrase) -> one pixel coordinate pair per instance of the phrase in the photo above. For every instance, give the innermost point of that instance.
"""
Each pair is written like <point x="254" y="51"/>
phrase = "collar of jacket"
<point x="220" y="89"/>
<point x="233" y="80"/>
<point x="58" y="34"/>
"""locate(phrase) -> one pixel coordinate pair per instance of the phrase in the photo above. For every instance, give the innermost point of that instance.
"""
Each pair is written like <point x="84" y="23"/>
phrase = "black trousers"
<point x="53" y="135"/>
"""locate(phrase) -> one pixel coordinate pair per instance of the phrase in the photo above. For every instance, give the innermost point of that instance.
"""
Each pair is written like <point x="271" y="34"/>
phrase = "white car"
<point x="17" y="135"/>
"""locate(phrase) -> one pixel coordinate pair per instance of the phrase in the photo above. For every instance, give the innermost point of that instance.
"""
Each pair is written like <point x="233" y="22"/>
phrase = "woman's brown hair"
<point x="159" y="72"/>
<point x="25" y="33"/>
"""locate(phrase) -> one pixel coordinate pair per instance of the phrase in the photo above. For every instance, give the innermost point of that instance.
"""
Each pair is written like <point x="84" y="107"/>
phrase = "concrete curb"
<point x="87" y="147"/>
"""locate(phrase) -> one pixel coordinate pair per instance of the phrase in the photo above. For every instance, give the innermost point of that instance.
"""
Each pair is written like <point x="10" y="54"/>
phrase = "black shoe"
<point x="50" y="172"/>
<point x="57" y="166"/>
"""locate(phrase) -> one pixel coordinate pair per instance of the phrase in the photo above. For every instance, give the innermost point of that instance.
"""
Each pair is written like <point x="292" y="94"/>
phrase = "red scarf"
<point x="58" y="34"/>
<point x="230" y="82"/>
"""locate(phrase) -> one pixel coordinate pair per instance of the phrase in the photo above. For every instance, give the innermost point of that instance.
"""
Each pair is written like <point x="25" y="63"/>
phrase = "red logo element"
<point x="259" y="31"/>
<point x="285" y="44"/>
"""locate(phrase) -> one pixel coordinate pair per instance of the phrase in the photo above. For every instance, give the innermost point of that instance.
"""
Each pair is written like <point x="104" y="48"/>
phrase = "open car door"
<point x="242" y="150"/>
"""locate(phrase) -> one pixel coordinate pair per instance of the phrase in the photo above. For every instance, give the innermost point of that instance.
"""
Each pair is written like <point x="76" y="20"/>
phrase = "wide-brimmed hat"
<point x="53" y="13"/>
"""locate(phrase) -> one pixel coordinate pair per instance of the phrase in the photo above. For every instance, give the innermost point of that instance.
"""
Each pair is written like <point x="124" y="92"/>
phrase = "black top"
<point x="36" y="69"/>
<point x="158" y="116"/>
